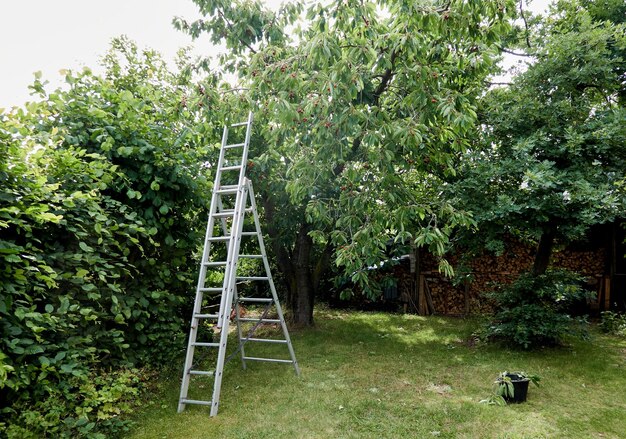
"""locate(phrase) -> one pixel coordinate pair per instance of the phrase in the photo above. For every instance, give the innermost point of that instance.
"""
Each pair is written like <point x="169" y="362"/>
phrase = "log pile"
<point x="425" y="291"/>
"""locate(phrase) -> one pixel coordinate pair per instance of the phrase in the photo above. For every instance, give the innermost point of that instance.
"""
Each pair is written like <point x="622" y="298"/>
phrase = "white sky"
<point x="50" y="35"/>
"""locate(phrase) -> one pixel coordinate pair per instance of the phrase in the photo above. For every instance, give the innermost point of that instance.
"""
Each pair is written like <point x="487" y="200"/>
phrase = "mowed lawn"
<point x="377" y="375"/>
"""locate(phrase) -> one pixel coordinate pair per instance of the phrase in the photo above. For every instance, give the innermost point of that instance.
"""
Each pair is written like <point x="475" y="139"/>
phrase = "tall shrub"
<point x="537" y="310"/>
<point x="101" y="200"/>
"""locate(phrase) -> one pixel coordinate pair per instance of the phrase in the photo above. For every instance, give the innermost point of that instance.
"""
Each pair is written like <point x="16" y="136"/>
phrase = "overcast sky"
<point x="50" y="35"/>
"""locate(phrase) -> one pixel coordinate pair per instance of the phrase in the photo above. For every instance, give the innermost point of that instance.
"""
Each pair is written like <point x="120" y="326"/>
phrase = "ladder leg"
<point x="239" y="332"/>
<point x="279" y="310"/>
<point x="228" y="293"/>
<point x="193" y="332"/>
<point x="219" y="369"/>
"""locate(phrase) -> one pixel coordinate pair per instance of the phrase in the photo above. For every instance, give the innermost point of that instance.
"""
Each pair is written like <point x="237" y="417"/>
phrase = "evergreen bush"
<point x="536" y="310"/>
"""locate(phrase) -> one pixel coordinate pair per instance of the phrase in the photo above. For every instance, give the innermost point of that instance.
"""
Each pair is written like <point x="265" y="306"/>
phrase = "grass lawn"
<point x="373" y="375"/>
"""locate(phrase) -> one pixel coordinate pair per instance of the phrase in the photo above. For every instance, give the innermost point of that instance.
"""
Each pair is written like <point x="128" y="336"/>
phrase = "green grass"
<point x="375" y="375"/>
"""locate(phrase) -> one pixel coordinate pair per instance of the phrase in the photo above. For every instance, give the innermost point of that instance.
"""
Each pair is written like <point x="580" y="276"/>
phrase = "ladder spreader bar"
<point x="256" y="299"/>
<point x="264" y="340"/>
<point x="253" y="278"/>
<point x="239" y="124"/>
<point x="271" y="360"/>
<point x="252" y="319"/>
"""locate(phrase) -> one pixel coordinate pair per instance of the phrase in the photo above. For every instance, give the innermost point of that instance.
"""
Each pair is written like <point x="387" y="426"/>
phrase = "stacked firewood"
<point x="433" y="293"/>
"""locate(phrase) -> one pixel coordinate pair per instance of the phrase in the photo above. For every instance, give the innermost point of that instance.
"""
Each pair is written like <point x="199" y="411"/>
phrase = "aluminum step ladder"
<point x="230" y="203"/>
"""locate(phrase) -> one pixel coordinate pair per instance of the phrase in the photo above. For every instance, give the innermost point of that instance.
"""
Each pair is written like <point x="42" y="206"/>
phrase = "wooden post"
<point x="429" y="297"/>
<point x="607" y="293"/>
<point x="466" y="287"/>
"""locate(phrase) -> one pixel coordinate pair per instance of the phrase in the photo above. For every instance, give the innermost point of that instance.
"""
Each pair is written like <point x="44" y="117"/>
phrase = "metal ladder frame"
<point x="229" y="296"/>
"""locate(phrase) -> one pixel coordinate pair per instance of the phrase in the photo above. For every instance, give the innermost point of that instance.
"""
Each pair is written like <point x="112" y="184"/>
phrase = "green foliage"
<point x="613" y="323"/>
<point x="101" y="199"/>
<point x="79" y="406"/>
<point x="534" y="311"/>
<point x="553" y="146"/>
<point x="365" y="109"/>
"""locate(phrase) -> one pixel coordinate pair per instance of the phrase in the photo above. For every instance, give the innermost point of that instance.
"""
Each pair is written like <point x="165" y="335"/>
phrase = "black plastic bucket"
<point x="520" y="388"/>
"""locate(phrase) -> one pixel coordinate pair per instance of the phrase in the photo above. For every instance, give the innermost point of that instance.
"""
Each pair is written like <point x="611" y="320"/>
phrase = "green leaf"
<point x="84" y="247"/>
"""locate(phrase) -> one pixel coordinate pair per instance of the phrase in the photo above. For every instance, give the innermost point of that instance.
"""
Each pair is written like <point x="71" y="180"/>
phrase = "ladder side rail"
<point x="216" y="206"/>
<point x="193" y="328"/>
<point x="266" y="264"/>
<point x="197" y="307"/>
<point x="235" y="299"/>
<point x="246" y="147"/>
<point x="231" y="262"/>
<point x="241" y="183"/>
<point x="220" y="160"/>
<point x="227" y="295"/>
<point x="239" y="331"/>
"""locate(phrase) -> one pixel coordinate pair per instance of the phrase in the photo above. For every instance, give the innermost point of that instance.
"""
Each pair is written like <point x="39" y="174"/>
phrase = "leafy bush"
<point x="102" y="203"/>
<point x="613" y="323"/>
<point x="535" y="310"/>
<point x="78" y="406"/>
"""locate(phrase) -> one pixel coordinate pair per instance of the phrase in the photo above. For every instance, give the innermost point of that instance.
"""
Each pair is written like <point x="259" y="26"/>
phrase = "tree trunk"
<point x="544" y="252"/>
<point x="299" y="277"/>
<point x="302" y="296"/>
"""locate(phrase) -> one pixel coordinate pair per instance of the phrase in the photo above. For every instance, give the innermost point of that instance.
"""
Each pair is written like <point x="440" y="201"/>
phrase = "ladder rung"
<point x="251" y="256"/>
<point x="202" y="372"/>
<point x="253" y="278"/>
<point x="230" y="168"/>
<point x="272" y="360"/>
<point x="211" y="290"/>
<point x="234" y="145"/>
<point x="219" y="238"/>
<point x="226" y="190"/>
<point x="224" y="214"/>
<point x="215" y="264"/>
<point x="206" y="316"/>
<point x="195" y="401"/>
<point x="239" y="124"/>
<point x="252" y="319"/>
<point x="256" y="299"/>
<point x="205" y="345"/>
<point x="265" y="340"/>
<point x="228" y="213"/>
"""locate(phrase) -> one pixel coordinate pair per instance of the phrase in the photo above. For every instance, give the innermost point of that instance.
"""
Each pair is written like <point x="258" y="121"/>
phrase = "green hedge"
<point x="102" y="203"/>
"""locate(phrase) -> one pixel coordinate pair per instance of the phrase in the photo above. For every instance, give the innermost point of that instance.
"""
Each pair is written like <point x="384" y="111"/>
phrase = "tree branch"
<point x="386" y="78"/>
<point x="521" y="11"/>
<point x="498" y="83"/>
<point x="384" y="83"/>
<point x="510" y="52"/>
<point x="230" y="25"/>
